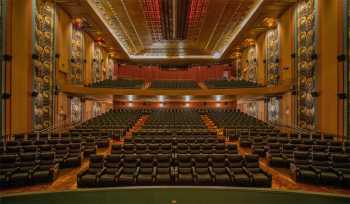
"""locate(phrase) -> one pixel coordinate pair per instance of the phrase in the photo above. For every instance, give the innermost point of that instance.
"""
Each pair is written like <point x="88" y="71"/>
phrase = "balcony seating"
<point x="230" y="84"/>
<point x="120" y="83"/>
<point x="174" y="85"/>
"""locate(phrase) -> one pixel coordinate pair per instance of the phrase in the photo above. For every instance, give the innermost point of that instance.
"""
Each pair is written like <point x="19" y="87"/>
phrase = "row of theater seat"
<point x="28" y="168"/>
<point x="181" y="148"/>
<point x="174" y="140"/>
<point x="159" y="84"/>
<point x="259" y="145"/>
<point x="162" y="169"/>
<point x="119" y="83"/>
<point x="321" y="168"/>
<point x="222" y="84"/>
<point x="87" y="146"/>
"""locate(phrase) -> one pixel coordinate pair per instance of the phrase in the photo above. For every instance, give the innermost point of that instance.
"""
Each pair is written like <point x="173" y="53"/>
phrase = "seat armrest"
<point x="136" y="172"/>
<point x="82" y="172"/>
<point x="212" y="171"/>
<point x="246" y="170"/>
<point x="99" y="173"/>
<point x="120" y="170"/>
<point x="229" y="171"/>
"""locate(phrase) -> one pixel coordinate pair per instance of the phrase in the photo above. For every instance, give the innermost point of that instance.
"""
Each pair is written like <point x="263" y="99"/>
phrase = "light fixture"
<point x="187" y="98"/>
<point x="216" y="55"/>
<point x="218" y="105"/>
<point x="187" y="105"/>
<point x="130" y="97"/>
<point x="130" y="104"/>
<point x="218" y="98"/>
<point x="270" y="22"/>
<point x="161" y="105"/>
<point x="161" y="98"/>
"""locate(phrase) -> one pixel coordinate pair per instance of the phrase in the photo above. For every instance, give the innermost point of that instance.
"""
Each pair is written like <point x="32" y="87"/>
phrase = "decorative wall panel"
<point x="347" y="70"/>
<point x="273" y="109"/>
<point x="252" y="63"/>
<point x="76" y="110"/>
<point x="306" y="62"/>
<point x="110" y="68"/>
<point x="77" y="56"/>
<point x="239" y="68"/>
<point x="272" y="56"/>
<point x="3" y="7"/>
<point x="252" y="109"/>
<point x="96" y="109"/>
<point x="97" y="64"/>
<point x="43" y="63"/>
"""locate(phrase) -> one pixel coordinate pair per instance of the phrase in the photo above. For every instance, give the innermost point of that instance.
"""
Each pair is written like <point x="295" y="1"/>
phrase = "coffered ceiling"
<point x="174" y="29"/>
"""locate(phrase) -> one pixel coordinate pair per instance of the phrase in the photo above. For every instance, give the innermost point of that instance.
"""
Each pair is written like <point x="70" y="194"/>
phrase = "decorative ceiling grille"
<point x="196" y="17"/>
<point x="151" y="10"/>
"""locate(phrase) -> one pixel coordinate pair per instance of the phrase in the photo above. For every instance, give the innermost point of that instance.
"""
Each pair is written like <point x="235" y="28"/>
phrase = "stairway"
<point x="211" y="126"/>
<point x="138" y="125"/>
<point x="147" y="85"/>
<point x="202" y="85"/>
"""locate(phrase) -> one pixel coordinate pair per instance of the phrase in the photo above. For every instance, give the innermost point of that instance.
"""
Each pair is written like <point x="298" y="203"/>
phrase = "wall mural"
<point x="306" y="62"/>
<point x="96" y="109"/>
<point x="273" y="109"/>
<point x="110" y="68"/>
<point x="77" y="56"/>
<point x="272" y="56"/>
<point x="76" y="110"/>
<point x="97" y="64"/>
<point x="252" y="109"/>
<point x="252" y="63"/>
<point x="239" y="68"/>
<point x="43" y="63"/>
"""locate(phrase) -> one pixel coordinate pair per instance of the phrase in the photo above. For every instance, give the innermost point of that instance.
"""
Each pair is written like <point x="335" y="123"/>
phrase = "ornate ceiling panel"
<point x="178" y="29"/>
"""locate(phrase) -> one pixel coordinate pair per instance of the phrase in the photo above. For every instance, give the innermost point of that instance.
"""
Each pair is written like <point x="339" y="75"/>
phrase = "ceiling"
<point x="173" y="29"/>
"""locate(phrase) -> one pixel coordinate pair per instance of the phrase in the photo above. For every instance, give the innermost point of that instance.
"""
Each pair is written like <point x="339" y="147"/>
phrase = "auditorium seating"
<point x="27" y="168"/>
<point x="120" y="83"/>
<point x="169" y="84"/>
<point x="229" y="84"/>
<point x="164" y="169"/>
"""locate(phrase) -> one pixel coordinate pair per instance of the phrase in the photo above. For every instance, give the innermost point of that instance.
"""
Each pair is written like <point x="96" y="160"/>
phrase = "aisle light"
<point x="218" y="105"/>
<point x="187" y="98"/>
<point x="161" y="105"/>
<point x="130" y="104"/>
<point x="187" y="105"/>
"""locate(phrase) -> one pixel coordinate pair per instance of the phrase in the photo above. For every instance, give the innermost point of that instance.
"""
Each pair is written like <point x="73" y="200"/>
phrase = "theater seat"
<point x="201" y="170"/>
<point x="48" y="168"/>
<point x="146" y="175"/>
<point x="184" y="171"/>
<point x="25" y="167"/>
<point x="7" y="168"/>
<point x="239" y="176"/>
<point x="219" y="171"/>
<point x="301" y="168"/>
<point x="259" y="177"/>
<point x="129" y="171"/>
<point x="164" y="170"/>
<point x="113" y="164"/>
<point x="88" y="177"/>
<point x="341" y="164"/>
<point x="75" y="155"/>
